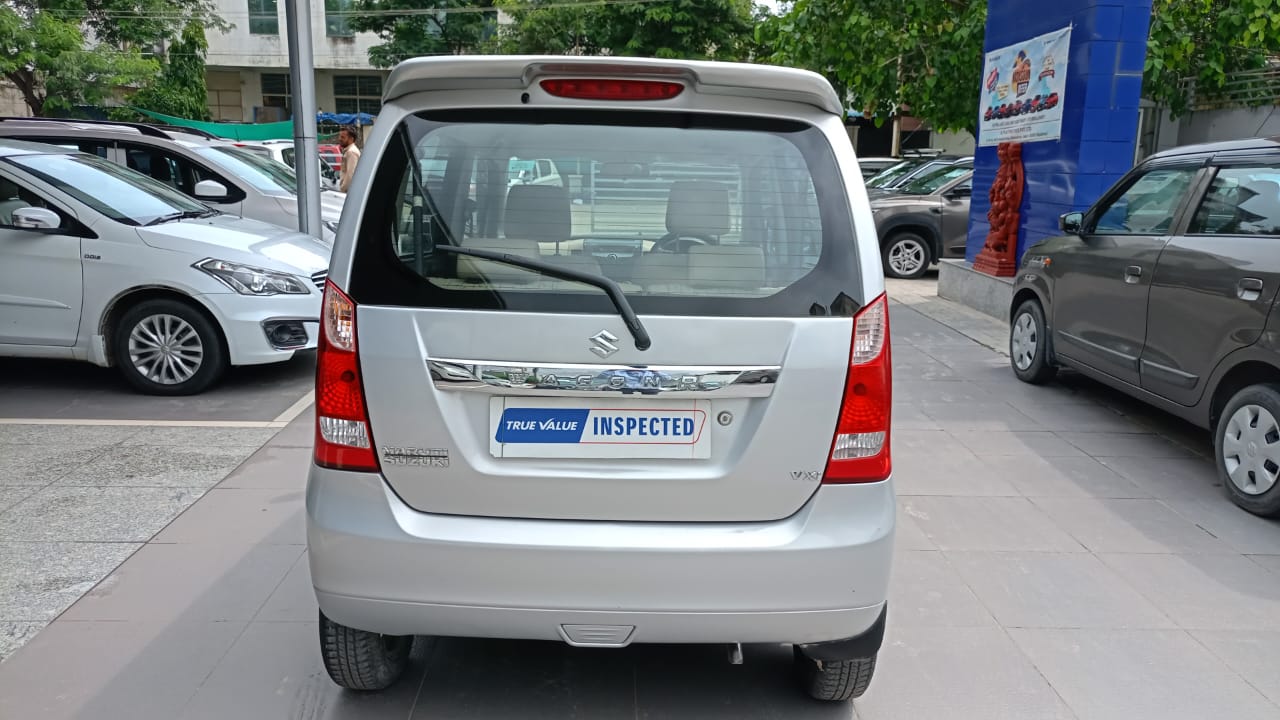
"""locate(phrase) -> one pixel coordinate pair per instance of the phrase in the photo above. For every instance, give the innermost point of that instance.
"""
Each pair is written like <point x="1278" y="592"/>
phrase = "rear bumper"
<point x="820" y="575"/>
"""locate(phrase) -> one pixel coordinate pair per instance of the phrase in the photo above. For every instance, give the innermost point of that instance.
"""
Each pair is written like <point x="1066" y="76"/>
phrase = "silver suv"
<point x="230" y="179"/>
<point x="653" y="413"/>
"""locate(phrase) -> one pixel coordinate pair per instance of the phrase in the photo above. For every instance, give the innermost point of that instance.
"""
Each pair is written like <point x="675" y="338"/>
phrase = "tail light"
<point x="343" y="440"/>
<point x="860" y="451"/>
<point x="604" y="89"/>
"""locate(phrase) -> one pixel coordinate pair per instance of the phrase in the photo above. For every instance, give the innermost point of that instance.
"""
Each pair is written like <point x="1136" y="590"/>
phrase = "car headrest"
<point x="538" y="212"/>
<point x="698" y="208"/>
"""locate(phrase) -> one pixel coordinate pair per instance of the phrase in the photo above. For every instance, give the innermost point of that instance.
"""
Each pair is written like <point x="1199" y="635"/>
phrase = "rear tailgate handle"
<point x="1249" y="289"/>
<point x="1132" y="274"/>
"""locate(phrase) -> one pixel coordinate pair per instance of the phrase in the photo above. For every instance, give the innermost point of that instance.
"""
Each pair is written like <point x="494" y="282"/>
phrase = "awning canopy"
<point x="256" y="131"/>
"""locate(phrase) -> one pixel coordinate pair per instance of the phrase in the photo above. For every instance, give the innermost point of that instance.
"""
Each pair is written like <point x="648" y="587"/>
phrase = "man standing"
<point x="350" y="155"/>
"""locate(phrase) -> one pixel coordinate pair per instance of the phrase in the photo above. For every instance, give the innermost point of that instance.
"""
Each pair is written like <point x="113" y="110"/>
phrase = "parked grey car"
<point x="230" y="179"/>
<point x="924" y="221"/>
<point x="638" y="417"/>
<point x="1166" y="289"/>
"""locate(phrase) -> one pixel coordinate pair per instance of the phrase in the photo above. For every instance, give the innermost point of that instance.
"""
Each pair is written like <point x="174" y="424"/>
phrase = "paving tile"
<point x="1179" y="478"/>
<point x="926" y="591"/>
<point x="204" y="582"/>
<point x="1039" y="444"/>
<point x="272" y="467"/>
<point x="926" y="443"/>
<point x="939" y="391"/>
<point x="907" y="534"/>
<point x="1079" y="417"/>
<point x="94" y="514"/>
<point x="13" y="635"/>
<point x="908" y="416"/>
<point x="1127" y="674"/>
<point x="273" y="670"/>
<point x="10" y="496"/>
<point x="1055" y="590"/>
<point x="988" y="524"/>
<point x="1204" y="592"/>
<point x="206" y="436"/>
<point x="40" y="580"/>
<point x="294" y="599"/>
<point x="1270" y="562"/>
<point x="959" y="473"/>
<point x="192" y="466"/>
<point x="133" y="670"/>
<point x="1244" y="532"/>
<point x="957" y="673"/>
<point x="242" y="516"/>
<point x="78" y="437"/>
<point x="1129" y="526"/>
<point x="1253" y="655"/>
<point x="1068" y="477"/>
<point x="40" y="465"/>
<point x="977" y="416"/>
<point x="299" y="433"/>
<point x="925" y="369"/>
<point x="1131" y="444"/>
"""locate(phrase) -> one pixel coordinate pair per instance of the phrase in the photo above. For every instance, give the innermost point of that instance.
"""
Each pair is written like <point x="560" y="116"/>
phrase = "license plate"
<point x="607" y="428"/>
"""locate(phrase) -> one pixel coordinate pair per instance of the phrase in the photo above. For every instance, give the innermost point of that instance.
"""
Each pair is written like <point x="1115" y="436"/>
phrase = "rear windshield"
<point x="690" y="214"/>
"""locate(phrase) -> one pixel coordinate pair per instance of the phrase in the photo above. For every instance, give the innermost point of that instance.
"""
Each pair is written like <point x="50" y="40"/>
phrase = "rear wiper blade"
<point x="610" y="288"/>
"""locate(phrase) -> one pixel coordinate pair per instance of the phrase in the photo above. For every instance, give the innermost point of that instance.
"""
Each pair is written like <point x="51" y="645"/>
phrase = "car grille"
<point x="319" y="278"/>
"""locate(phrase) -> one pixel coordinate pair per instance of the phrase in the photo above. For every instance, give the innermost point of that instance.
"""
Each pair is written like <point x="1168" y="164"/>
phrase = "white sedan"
<point x="103" y="264"/>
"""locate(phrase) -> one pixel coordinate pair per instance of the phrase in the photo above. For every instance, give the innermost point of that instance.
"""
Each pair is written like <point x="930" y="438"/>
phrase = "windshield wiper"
<point x="185" y="214"/>
<point x="610" y="288"/>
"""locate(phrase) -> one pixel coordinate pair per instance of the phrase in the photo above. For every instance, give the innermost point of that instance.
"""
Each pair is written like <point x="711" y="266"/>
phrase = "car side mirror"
<point x="36" y="218"/>
<point x="210" y="190"/>
<point x="1071" y="223"/>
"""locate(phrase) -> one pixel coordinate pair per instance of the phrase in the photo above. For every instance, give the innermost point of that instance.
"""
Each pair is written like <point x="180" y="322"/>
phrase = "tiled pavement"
<point x="1062" y="553"/>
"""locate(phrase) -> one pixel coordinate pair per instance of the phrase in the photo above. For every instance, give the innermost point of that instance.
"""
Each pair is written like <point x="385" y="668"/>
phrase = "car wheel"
<point x="906" y="256"/>
<point x="1028" y="346"/>
<point x="834" y="680"/>
<point x="1247" y="444"/>
<point x="362" y="660"/>
<point x="168" y="347"/>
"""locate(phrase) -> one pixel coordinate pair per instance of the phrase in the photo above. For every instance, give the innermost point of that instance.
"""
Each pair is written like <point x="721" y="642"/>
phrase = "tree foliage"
<point x="63" y="53"/>
<point x="921" y="56"/>
<point x="459" y="26"/>
<point x="690" y="29"/>
<point x="1205" y="45"/>
<point x="180" y="90"/>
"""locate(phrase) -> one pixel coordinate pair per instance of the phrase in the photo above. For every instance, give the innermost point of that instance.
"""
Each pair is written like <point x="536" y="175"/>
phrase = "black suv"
<point x="1165" y="289"/>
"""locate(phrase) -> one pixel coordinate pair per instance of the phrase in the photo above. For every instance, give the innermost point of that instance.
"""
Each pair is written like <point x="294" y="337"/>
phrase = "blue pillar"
<point x="1100" y="110"/>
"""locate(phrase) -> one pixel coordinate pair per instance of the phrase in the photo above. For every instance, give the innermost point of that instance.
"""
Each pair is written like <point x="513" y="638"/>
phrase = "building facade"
<point x="248" y="66"/>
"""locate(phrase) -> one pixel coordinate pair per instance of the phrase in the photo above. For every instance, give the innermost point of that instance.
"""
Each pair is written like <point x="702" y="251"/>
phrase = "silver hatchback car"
<point x="648" y="403"/>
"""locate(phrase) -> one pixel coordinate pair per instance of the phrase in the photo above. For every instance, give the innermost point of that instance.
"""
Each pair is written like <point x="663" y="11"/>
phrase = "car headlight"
<point x="249" y="280"/>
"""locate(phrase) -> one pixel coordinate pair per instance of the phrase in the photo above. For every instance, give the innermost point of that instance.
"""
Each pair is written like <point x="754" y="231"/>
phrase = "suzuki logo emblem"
<point x="602" y="343"/>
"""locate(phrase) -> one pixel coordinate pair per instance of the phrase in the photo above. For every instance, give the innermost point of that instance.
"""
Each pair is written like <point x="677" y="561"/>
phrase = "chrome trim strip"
<point x="670" y="381"/>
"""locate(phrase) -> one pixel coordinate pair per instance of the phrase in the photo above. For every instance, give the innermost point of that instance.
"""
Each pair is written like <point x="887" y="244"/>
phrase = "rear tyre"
<point x="906" y="256"/>
<point x="1247" y="444"/>
<point x="168" y="347"/>
<point x="1028" y="345"/>
<point x="362" y="660"/>
<point x="834" y="681"/>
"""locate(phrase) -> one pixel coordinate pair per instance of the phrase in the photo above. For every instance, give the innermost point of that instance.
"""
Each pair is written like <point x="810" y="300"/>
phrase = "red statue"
<point x="999" y="255"/>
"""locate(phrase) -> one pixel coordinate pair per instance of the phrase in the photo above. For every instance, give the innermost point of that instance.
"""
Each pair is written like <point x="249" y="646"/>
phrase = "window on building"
<point x="336" y="18"/>
<point x="275" y="92"/>
<point x="264" y="18"/>
<point x="357" y="94"/>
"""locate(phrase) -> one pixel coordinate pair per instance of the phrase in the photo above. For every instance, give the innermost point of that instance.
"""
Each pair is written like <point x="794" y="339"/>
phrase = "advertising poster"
<point x="1022" y="88"/>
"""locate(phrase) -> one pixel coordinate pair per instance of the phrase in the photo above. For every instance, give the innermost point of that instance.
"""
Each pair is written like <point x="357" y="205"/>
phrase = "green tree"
<point x="411" y="28"/>
<point x="64" y="53"/>
<point x="549" y="27"/>
<point x="921" y="56"/>
<point x="1204" y="45"/>
<point x="180" y="90"/>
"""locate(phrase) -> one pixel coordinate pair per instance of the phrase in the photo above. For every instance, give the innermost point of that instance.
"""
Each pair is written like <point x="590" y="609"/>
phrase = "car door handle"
<point x="935" y="210"/>
<point x="1132" y="274"/>
<point x="1249" y="289"/>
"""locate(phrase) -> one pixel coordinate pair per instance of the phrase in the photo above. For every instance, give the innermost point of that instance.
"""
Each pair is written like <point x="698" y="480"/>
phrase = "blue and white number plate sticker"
<point x="600" y="428"/>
